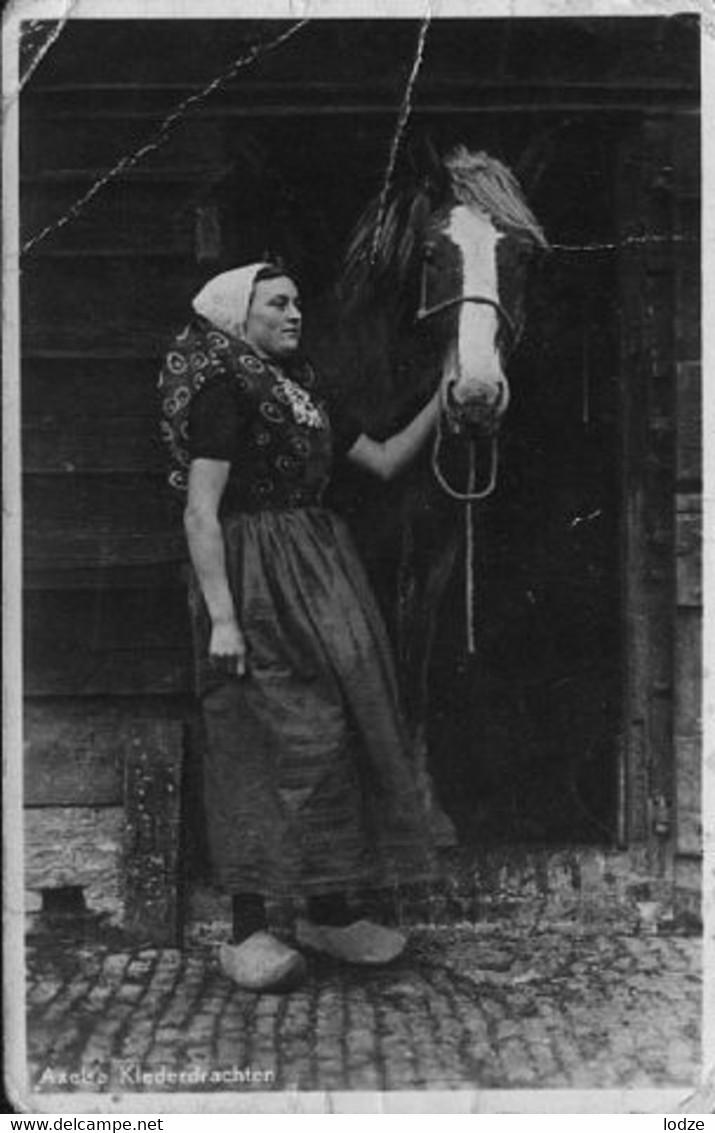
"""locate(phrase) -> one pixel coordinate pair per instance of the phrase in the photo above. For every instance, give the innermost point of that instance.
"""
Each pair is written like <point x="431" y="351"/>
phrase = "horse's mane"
<point x="381" y="252"/>
<point x="380" y="256"/>
<point x="482" y="182"/>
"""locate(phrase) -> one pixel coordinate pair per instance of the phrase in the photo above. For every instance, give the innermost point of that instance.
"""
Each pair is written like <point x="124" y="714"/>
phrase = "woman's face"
<point x="274" y="317"/>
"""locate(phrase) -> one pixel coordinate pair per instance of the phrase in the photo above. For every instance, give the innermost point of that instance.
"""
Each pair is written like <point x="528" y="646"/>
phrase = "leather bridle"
<point x="471" y="495"/>
<point x="424" y="312"/>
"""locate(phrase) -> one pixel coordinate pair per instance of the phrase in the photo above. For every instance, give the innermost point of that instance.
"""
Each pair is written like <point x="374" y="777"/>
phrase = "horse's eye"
<point x="428" y="253"/>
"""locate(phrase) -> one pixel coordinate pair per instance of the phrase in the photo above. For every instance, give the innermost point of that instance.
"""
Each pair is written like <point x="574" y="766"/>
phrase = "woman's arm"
<point x="207" y="480"/>
<point x="386" y="458"/>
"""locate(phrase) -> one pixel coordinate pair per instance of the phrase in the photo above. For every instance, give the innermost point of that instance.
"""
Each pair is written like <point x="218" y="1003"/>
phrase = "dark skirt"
<point x="310" y="780"/>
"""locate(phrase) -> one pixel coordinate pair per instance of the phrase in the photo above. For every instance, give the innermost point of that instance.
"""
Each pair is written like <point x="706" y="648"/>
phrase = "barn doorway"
<point x="523" y="736"/>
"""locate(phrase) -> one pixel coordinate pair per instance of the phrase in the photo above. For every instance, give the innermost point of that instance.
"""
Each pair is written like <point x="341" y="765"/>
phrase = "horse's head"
<point x="474" y="252"/>
<point x="460" y="291"/>
<point x="448" y="250"/>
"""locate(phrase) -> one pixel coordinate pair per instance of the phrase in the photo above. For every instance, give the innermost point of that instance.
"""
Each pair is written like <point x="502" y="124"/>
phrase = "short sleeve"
<point x="216" y="420"/>
<point x="346" y="428"/>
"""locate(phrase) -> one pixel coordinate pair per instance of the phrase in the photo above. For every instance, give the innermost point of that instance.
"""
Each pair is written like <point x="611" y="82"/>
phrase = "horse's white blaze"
<point x="475" y="367"/>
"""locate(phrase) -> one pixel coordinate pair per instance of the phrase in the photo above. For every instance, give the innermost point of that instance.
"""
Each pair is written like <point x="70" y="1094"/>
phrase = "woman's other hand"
<point x="227" y="647"/>
<point x="207" y="479"/>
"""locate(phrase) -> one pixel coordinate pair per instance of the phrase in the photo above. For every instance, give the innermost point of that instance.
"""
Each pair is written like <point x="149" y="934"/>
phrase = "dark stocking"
<point x="329" y="909"/>
<point x="249" y="916"/>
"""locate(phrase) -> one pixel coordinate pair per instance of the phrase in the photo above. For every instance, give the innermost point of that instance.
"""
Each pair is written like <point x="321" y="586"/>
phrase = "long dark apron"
<point x="310" y="781"/>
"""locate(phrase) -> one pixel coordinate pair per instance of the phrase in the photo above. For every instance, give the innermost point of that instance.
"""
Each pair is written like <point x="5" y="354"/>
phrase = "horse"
<point x="432" y="292"/>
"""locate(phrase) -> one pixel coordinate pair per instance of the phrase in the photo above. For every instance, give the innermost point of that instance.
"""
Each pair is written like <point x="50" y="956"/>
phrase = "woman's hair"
<point x="276" y="271"/>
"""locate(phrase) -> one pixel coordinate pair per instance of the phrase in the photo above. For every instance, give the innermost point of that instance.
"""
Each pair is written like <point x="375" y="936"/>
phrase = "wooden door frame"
<point x="660" y="450"/>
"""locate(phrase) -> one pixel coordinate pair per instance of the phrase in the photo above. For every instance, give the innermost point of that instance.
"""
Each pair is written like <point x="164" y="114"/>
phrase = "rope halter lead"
<point x="471" y="495"/>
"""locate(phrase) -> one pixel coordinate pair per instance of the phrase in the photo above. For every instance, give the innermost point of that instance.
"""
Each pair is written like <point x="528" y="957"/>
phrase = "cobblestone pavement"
<point x="490" y="1007"/>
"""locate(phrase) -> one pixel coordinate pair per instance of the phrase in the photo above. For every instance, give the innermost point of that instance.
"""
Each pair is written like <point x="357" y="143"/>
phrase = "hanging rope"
<point x="468" y="498"/>
<point x="470" y="495"/>
<point x="469" y="554"/>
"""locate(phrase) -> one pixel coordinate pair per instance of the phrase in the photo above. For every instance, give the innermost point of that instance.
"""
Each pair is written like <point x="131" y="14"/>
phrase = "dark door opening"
<point x="523" y="737"/>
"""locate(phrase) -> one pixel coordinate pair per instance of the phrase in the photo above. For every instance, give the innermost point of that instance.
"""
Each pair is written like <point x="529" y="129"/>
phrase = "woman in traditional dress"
<point x="310" y="785"/>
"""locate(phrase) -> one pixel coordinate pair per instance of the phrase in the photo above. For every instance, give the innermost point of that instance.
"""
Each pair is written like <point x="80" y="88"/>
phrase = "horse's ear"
<point x="429" y="169"/>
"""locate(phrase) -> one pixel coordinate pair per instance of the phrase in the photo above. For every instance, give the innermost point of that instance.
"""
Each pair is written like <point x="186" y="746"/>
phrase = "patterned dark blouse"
<point x="279" y="434"/>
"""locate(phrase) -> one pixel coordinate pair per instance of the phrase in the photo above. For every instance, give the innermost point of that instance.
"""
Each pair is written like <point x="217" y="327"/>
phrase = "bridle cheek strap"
<point x="426" y="312"/>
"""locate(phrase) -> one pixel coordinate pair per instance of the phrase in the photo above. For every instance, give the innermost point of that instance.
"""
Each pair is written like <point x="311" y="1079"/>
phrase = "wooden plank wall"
<point x="107" y="662"/>
<point x="100" y="298"/>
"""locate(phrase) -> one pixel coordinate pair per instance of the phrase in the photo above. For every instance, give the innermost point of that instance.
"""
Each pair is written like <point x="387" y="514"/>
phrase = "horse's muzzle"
<point x="478" y="414"/>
